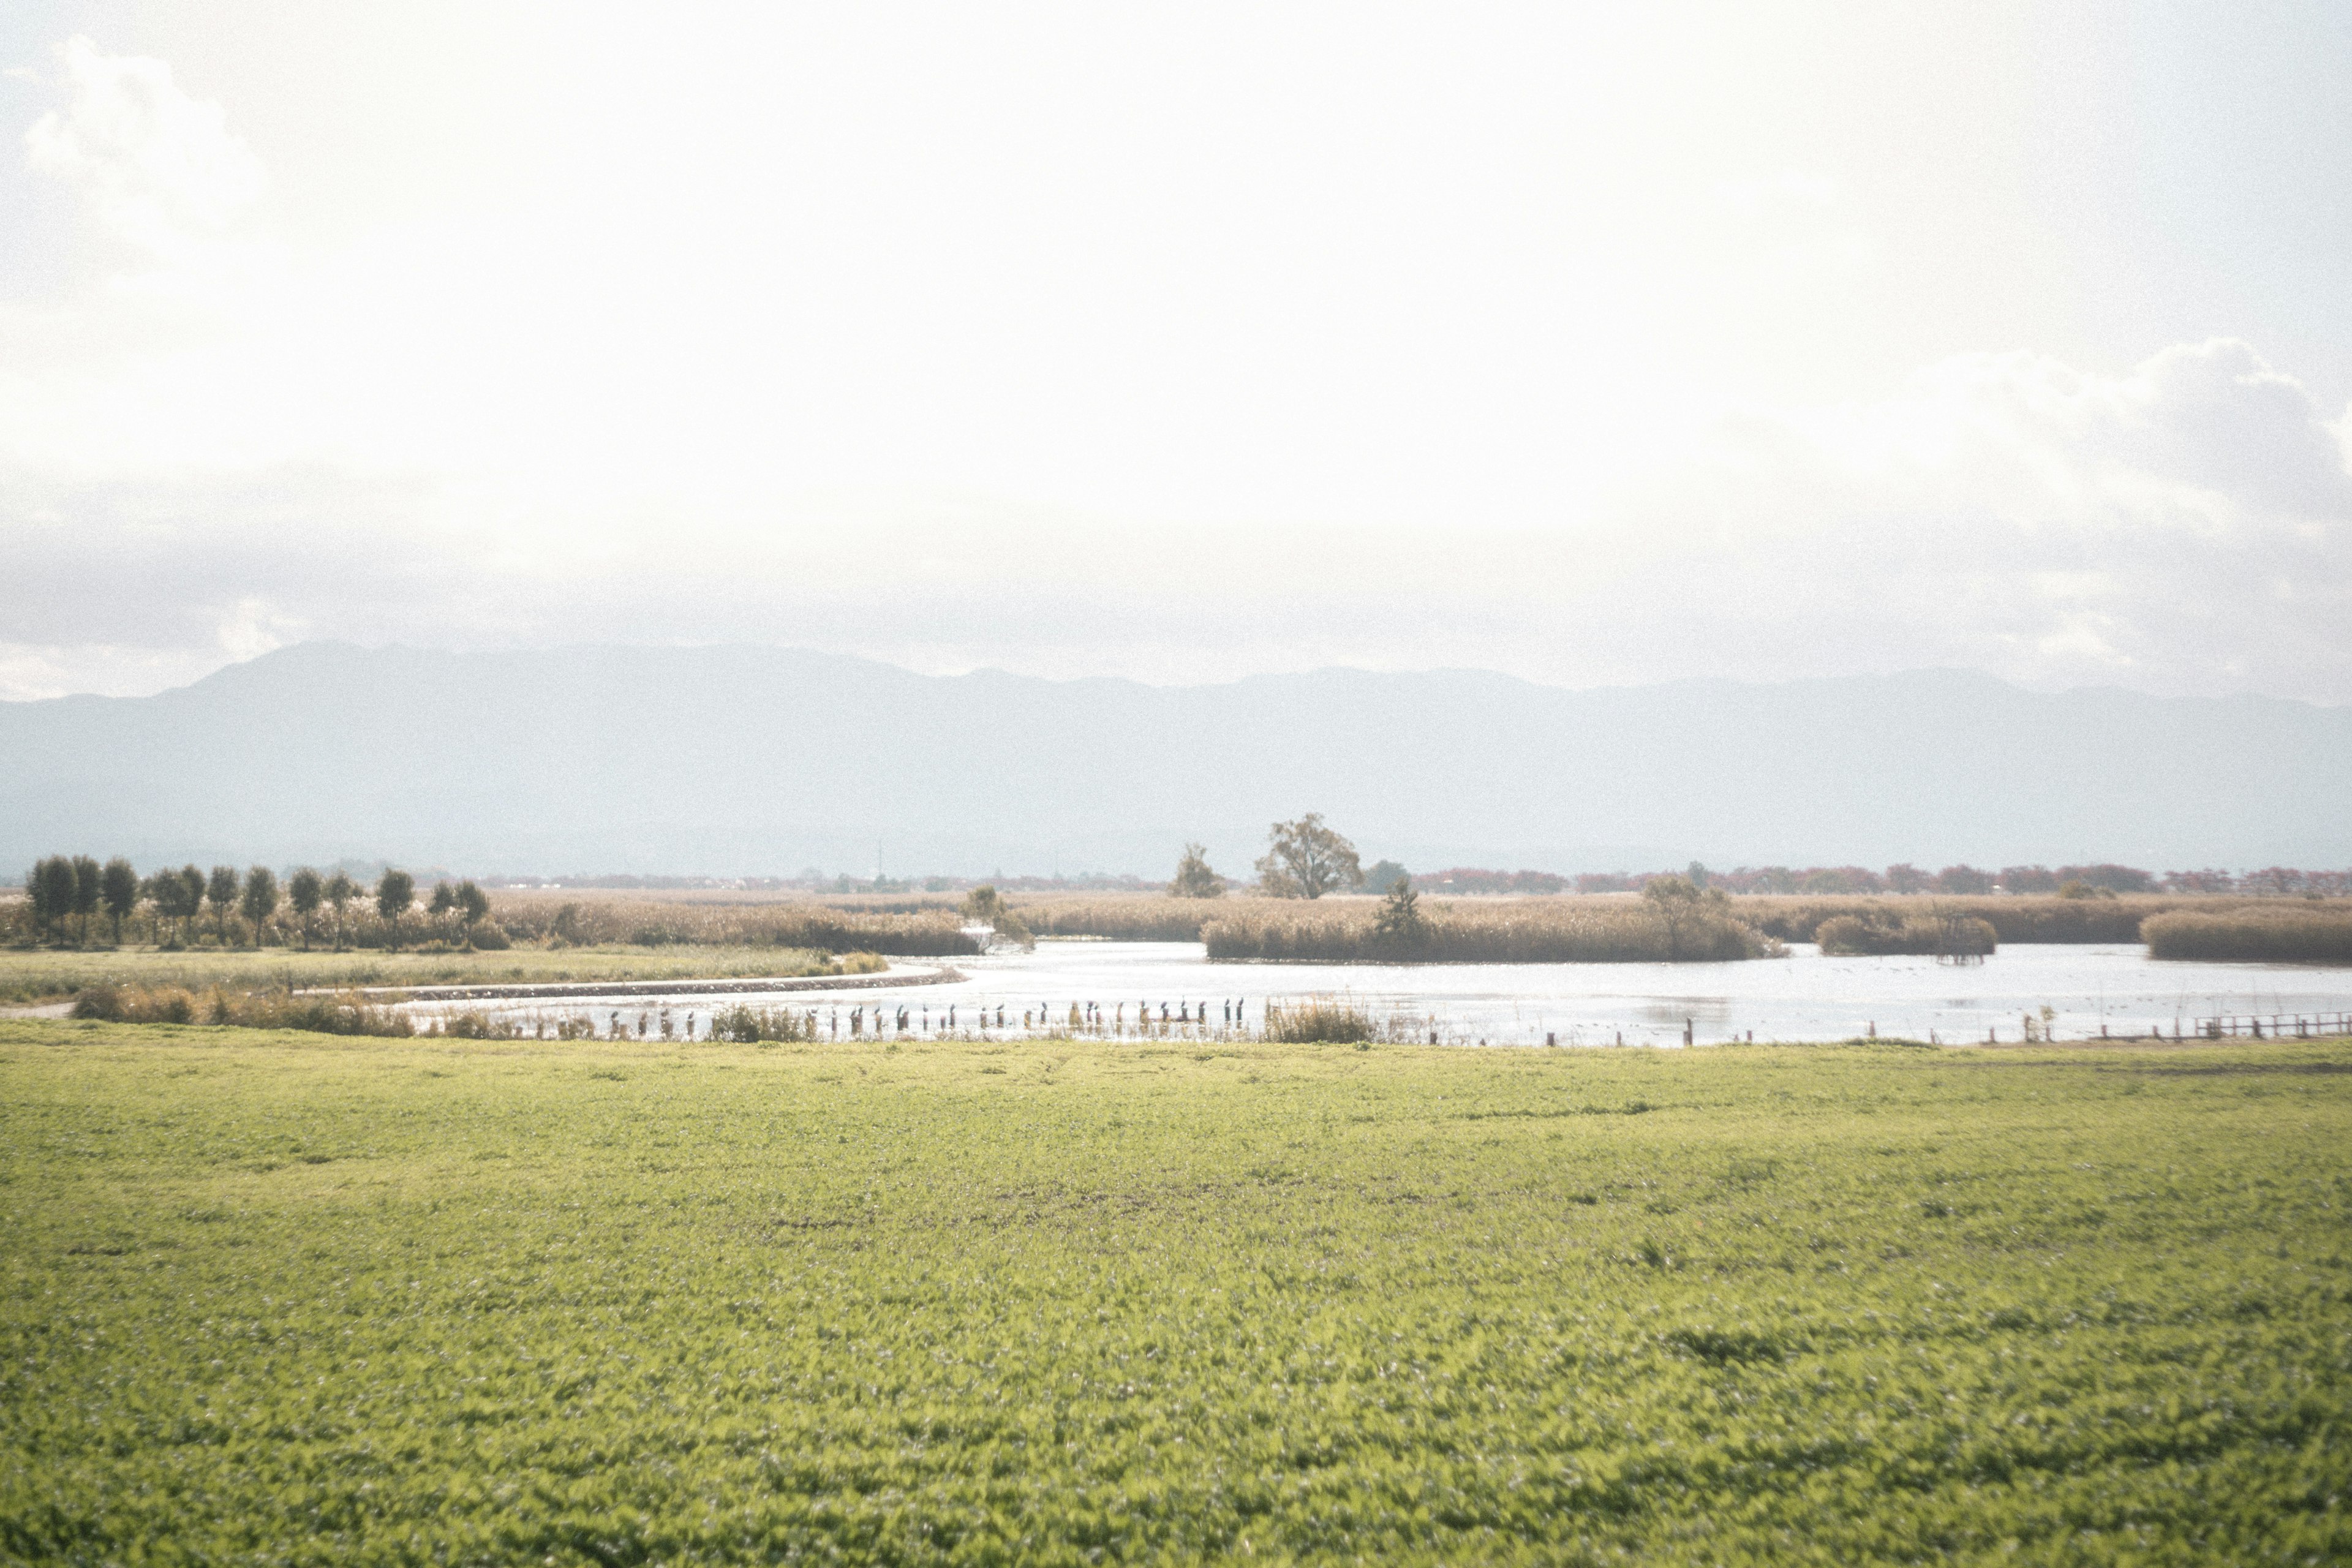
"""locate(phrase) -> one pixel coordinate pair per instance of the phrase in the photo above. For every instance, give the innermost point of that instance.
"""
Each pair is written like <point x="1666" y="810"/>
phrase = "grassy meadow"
<point x="304" y="1299"/>
<point x="52" y="975"/>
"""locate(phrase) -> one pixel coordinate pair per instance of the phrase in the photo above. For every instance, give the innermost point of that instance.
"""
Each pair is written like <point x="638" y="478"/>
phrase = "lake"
<point x="1805" y="996"/>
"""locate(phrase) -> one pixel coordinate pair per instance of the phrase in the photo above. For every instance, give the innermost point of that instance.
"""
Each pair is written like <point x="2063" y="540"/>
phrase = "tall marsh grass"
<point x="343" y="1014"/>
<point x="1532" y="931"/>
<point x="927" y="933"/>
<point x="1319" y="1020"/>
<point x="2023" y="920"/>
<point x="1885" y="932"/>
<point x="2275" y="933"/>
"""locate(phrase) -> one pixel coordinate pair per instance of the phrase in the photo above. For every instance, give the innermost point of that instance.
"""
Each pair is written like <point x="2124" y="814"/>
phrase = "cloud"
<point x="159" y="169"/>
<point x="2184" y="526"/>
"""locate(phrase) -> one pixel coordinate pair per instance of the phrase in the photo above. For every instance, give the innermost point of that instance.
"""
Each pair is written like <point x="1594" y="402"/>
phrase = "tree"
<point x="1305" y="860"/>
<point x="1194" y="879"/>
<point x="1681" y="905"/>
<point x="983" y="902"/>
<point x="472" y="905"/>
<point x="1963" y="880"/>
<point x="339" y="891"/>
<point x="1401" y="924"/>
<point x="51" y="887"/>
<point x="221" y="891"/>
<point x="260" y="899"/>
<point x="304" y="891"/>
<point x="1384" y="874"/>
<point x="1908" y="879"/>
<point x="442" y="905"/>
<point x="119" y="884"/>
<point x="394" y="892"/>
<point x="191" y="900"/>
<point x="89" y="890"/>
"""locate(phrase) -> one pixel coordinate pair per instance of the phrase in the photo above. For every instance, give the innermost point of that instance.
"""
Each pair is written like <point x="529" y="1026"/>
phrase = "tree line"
<point x="70" y="894"/>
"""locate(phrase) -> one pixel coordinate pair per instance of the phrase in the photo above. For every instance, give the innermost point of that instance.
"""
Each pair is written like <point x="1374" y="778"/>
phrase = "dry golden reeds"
<point x="2253" y="933"/>
<point x="1530" y="930"/>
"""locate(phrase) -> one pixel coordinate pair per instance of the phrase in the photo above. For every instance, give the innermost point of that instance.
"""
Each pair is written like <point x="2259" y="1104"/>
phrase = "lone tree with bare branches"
<point x="1194" y="879"/>
<point x="1306" y="859"/>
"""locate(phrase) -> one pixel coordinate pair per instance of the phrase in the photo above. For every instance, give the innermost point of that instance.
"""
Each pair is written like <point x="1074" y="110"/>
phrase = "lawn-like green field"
<point x="293" y="1298"/>
<point x="49" y="974"/>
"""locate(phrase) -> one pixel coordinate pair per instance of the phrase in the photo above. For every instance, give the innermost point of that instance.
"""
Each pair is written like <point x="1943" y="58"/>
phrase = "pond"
<point x="1805" y="996"/>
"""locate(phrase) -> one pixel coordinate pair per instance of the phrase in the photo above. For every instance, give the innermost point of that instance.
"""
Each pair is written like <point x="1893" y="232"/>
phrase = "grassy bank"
<point x="2279" y="932"/>
<point x="290" y="1298"/>
<point x="1517" y="931"/>
<point x="37" y="976"/>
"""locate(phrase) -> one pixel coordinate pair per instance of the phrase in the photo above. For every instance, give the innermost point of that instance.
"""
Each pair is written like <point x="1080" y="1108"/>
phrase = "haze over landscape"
<point x="1597" y="346"/>
<point x="736" y="760"/>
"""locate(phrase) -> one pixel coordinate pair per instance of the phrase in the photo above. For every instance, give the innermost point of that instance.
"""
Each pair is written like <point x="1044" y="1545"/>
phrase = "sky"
<point x="1597" y="345"/>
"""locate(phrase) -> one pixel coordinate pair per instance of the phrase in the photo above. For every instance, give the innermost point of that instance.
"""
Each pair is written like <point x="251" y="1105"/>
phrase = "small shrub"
<point x="746" y="1024"/>
<point x="1319" y="1020"/>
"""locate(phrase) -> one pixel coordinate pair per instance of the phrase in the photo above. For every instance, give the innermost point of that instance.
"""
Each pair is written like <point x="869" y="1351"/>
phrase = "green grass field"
<point x="301" y="1300"/>
<point x="49" y="975"/>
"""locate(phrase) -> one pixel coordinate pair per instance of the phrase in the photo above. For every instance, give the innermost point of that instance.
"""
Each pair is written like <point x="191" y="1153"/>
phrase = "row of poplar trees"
<point x="67" y="891"/>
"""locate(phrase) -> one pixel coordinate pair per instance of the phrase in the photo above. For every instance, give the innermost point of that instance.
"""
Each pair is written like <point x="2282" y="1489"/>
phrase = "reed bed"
<point x="345" y="1013"/>
<point x="1883" y="934"/>
<point x="1319" y="1020"/>
<point x="2033" y="918"/>
<point x="927" y="933"/>
<point x="2256" y="933"/>
<point x="746" y="1024"/>
<point x="1528" y="931"/>
<point x="1133" y="917"/>
<point x="2025" y="919"/>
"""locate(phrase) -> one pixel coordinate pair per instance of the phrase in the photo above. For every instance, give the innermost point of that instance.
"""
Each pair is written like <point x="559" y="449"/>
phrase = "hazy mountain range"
<point x="754" y="761"/>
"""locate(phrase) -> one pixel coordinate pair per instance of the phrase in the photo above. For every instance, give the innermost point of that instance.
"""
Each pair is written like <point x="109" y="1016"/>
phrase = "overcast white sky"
<point x="1595" y="344"/>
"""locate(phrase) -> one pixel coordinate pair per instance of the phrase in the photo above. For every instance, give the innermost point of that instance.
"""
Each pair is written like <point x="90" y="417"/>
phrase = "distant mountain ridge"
<point x="757" y="760"/>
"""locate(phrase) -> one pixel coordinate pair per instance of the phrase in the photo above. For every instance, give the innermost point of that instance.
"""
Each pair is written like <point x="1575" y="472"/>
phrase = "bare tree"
<point x="1306" y="859"/>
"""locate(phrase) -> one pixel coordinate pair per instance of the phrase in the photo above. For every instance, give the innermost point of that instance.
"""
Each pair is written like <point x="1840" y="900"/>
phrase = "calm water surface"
<point x="1804" y="997"/>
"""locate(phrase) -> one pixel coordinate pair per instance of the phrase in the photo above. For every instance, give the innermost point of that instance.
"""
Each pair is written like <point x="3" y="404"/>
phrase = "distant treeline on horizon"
<point x="1471" y="881"/>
